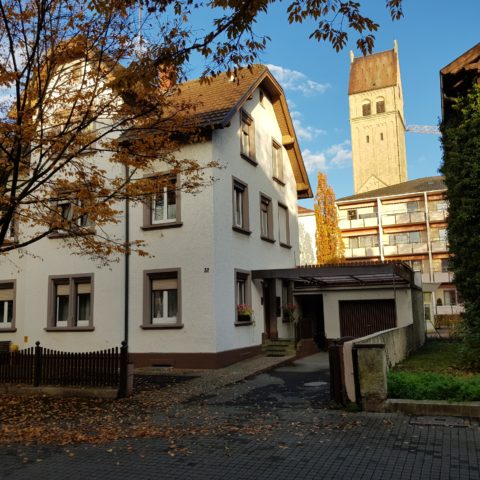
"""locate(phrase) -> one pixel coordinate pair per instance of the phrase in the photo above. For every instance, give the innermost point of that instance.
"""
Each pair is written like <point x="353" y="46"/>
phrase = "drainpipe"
<point x="127" y="261"/>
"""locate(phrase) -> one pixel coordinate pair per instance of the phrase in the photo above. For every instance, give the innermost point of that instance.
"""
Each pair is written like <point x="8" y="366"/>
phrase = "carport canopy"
<point x="343" y="275"/>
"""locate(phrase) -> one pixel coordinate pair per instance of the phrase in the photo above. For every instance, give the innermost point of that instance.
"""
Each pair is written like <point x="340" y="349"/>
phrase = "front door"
<point x="269" y="310"/>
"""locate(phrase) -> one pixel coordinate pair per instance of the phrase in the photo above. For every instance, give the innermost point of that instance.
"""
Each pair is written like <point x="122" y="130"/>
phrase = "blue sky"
<point x="315" y="79"/>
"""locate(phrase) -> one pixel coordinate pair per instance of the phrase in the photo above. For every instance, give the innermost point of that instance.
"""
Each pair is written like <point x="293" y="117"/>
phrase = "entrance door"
<point x="270" y="310"/>
<point x="359" y="318"/>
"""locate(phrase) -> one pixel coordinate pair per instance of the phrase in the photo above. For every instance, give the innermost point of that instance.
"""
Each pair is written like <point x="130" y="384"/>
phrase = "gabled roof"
<point x="372" y="72"/>
<point x="424" y="184"/>
<point x="220" y="98"/>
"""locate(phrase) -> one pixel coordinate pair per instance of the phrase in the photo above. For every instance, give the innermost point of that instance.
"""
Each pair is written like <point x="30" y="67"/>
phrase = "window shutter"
<point x="6" y="294"/>
<point x="63" y="289"/>
<point x="84" y="288"/>
<point x="164" y="284"/>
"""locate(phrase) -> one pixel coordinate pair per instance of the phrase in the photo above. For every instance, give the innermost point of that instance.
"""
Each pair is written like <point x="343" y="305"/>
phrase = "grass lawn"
<point x="434" y="373"/>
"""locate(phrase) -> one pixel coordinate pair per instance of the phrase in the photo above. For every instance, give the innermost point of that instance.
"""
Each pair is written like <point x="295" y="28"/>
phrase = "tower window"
<point x="368" y="138"/>
<point x="380" y="106"/>
<point x="366" y="108"/>
<point x="381" y="136"/>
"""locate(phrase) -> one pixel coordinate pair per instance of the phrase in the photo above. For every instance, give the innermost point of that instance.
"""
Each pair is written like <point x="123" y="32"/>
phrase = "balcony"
<point x="443" y="277"/>
<point x="449" y="309"/>
<point x="403" y="218"/>
<point x="345" y="224"/>
<point x="437" y="216"/>
<point x="362" y="252"/>
<point x="440" y="246"/>
<point x="405" y="249"/>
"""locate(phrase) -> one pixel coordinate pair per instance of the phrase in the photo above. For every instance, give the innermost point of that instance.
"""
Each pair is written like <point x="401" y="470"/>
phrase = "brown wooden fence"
<point x="42" y="366"/>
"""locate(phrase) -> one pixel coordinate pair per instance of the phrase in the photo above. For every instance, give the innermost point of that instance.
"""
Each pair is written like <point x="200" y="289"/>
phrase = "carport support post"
<point x="372" y="376"/>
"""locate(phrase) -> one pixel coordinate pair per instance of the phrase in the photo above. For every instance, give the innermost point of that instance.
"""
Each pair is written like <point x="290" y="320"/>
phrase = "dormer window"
<point x="366" y="108"/>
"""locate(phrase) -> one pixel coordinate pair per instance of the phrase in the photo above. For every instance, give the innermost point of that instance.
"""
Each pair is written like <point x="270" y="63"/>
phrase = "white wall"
<point x="307" y="227"/>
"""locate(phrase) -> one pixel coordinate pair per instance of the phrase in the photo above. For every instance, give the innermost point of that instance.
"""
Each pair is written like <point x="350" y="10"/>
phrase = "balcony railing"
<point x="362" y="252"/>
<point x="403" y="218"/>
<point x="405" y="248"/>
<point x="346" y="224"/>
<point x="449" y="309"/>
<point x="440" y="246"/>
<point x="437" y="216"/>
<point x="438" y="277"/>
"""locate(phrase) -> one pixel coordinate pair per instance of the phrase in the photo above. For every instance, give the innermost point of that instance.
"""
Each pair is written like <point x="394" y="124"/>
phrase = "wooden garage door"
<point x="359" y="318"/>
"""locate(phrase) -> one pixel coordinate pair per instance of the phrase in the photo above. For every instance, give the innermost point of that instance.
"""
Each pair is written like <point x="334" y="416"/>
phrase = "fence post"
<point x="122" y="384"/>
<point x="37" y="372"/>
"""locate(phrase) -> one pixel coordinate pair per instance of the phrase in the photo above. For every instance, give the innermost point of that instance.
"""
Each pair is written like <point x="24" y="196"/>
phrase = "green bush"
<point x="433" y="386"/>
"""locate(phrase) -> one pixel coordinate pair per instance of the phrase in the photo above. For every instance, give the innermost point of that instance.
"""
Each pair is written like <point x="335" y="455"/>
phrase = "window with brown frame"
<point x="240" y="207"/>
<point x="247" y="137"/>
<point x="7" y="305"/>
<point x="266" y="218"/>
<point x="283" y="226"/>
<point x="243" y="298"/>
<point x="277" y="162"/>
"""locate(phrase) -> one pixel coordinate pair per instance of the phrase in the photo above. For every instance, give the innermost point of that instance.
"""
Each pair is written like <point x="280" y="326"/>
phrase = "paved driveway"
<point x="276" y="427"/>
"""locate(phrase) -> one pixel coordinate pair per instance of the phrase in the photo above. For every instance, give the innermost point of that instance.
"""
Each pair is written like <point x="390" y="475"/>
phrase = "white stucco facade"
<point x="203" y="249"/>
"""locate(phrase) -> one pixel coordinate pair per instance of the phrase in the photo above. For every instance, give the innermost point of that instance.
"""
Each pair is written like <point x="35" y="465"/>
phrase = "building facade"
<point x="405" y="222"/>
<point x="178" y="306"/>
<point x="377" y="121"/>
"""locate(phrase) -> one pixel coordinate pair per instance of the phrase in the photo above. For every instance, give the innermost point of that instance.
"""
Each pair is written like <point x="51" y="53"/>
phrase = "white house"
<point x="178" y="306"/>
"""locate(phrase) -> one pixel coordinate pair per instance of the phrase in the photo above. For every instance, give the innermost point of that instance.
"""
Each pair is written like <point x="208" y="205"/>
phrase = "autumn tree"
<point x="328" y="237"/>
<point x="89" y="106"/>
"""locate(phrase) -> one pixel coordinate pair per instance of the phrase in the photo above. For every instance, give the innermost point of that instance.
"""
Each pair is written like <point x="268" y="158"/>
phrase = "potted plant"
<point x="289" y="312"/>
<point x="244" y="312"/>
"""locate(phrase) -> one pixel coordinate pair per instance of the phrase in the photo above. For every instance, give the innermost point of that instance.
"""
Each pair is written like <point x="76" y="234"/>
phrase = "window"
<point x="366" y="108"/>
<point x="243" y="298"/>
<point x="445" y="265"/>
<point x="69" y="217"/>
<point x="266" y="218"/>
<point x="240" y="207"/>
<point x="368" y="139"/>
<point x="284" y="227"/>
<point x="352" y="214"/>
<point x="162" y="210"/>
<point x="412" y="207"/>
<point x="363" y="241"/>
<point x="71" y="302"/>
<point x="381" y="136"/>
<point x="247" y="137"/>
<point x="7" y="305"/>
<point x="162" y="305"/>
<point x="450" y="297"/>
<point x="380" y="106"/>
<point x="277" y="161"/>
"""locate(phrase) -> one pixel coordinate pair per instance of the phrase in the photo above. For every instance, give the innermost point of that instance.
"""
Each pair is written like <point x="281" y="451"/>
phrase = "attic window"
<point x="247" y="137"/>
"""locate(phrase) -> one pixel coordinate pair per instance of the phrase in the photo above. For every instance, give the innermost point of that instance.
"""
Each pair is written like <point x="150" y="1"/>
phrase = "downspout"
<point x="127" y="260"/>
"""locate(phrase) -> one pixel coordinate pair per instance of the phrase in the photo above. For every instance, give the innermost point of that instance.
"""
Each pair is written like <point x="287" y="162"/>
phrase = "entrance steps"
<point x="279" y="348"/>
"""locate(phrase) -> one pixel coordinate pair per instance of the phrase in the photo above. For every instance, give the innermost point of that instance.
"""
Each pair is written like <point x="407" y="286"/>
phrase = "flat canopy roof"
<point x="343" y="275"/>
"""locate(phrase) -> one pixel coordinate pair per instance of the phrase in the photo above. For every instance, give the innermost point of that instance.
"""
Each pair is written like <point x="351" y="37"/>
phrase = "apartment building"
<point x="406" y="222"/>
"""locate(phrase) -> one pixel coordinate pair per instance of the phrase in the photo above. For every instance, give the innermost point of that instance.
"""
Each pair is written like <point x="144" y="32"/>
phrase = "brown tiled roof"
<point x="424" y="184"/>
<point x="303" y="210"/>
<point x="372" y="72"/>
<point x="218" y="98"/>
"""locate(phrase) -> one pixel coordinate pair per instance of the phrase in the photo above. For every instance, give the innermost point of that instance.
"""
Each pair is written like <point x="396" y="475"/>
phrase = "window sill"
<point x="241" y="230"/>
<point x="8" y="330"/>
<point x="267" y="239"/>
<point x="70" y="329"/>
<point x="252" y="161"/>
<point x="243" y="324"/>
<point x="280" y="182"/>
<point x="162" y="226"/>
<point x="285" y="245"/>
<point x="162" y="326"/>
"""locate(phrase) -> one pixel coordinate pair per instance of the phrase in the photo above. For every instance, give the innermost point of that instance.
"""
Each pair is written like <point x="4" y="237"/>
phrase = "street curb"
<point x="433" y="407"/>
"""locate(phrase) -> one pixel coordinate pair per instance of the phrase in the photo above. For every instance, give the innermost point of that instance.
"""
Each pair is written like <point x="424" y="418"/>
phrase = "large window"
<point x="162" y="300"/>
<point x="247" y="137"/>
<point x="7" y="305"/>
<point x="71" y="216"/>
<point x="380" y="105"/>
<point x="243" y="298"/>
<point x="240" y="207"/>
<point x="162" y="210"/>
<point x="277" y="162"/>
<point x="71" y="302"/>
<point x="266" y="218"/>
<point x="366" y="108"/>
<point x="283" y="226"/>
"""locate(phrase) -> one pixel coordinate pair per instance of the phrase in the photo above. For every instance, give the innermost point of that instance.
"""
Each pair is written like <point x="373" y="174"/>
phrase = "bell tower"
<point x="376" y="120"/>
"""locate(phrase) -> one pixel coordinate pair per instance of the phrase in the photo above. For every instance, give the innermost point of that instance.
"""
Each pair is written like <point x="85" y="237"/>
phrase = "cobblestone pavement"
<point x="279" y="428"/>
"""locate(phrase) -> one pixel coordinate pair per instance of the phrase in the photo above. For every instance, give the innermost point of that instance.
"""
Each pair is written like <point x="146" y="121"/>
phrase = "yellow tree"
<point x="329" y="242"/>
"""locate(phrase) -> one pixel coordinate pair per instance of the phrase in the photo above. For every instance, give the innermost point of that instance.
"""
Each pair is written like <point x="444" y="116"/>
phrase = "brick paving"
<point x="278" y="429"/>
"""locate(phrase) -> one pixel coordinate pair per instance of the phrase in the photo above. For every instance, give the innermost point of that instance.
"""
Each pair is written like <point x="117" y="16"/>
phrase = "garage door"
<point x="363" y="317"/>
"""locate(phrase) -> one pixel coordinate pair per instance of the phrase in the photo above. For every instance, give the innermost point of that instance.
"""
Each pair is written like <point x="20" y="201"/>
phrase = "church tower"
<point x="376" y="120"/>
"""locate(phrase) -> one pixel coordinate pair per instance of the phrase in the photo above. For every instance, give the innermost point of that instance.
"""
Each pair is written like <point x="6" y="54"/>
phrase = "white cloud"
<point x="336" y="156"/>
<point x="296" y="81"/>
<point x="305" y="132"/>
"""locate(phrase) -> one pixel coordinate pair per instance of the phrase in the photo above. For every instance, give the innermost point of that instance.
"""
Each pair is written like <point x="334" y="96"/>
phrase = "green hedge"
<point x="433" y="386"/>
